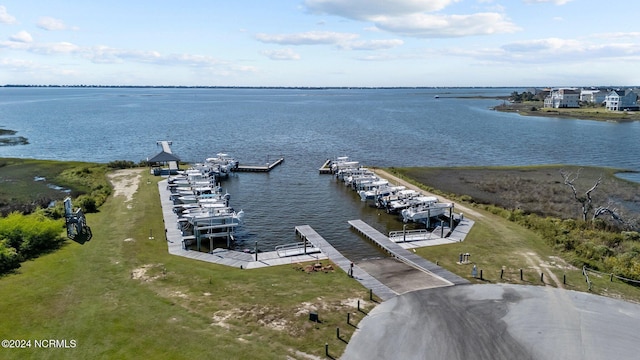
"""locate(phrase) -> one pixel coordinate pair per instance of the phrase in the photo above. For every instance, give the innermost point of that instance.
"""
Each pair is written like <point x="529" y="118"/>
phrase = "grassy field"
<point x="501" y="248"/>
<point x="123" y="296"/>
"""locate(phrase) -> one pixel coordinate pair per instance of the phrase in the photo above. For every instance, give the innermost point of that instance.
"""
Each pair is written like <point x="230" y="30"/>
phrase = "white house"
<point x="592" y="96"/>
<point x="562" y="98"/>
<point x="619" y="100"/>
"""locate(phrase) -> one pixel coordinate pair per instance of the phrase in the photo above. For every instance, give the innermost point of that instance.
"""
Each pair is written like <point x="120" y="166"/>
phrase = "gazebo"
<point x="163" y="159"/>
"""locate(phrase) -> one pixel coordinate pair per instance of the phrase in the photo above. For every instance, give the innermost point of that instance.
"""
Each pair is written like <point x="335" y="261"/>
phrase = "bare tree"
<point x="585" y="200"/>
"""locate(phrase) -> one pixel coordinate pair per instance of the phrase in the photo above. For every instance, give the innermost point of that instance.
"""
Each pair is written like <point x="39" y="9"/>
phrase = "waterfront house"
<point x="562" y="98"/>
<point x="594" y="96"/>
<point x="620" y="100"/>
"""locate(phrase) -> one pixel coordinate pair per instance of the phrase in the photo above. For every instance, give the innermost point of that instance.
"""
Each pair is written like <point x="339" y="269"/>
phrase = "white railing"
<point x="409" y="235"/>
<point x="296" y="249"/>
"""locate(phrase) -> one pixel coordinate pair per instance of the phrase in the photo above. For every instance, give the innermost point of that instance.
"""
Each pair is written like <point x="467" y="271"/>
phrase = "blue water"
<point x="378" y="127"/>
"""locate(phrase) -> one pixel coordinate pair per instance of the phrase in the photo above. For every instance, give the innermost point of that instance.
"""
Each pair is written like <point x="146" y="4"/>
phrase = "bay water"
<point x="378" y="127"/>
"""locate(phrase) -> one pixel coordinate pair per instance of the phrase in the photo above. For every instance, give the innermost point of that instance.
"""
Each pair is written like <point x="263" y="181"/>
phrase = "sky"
<point x="309" y="43"/>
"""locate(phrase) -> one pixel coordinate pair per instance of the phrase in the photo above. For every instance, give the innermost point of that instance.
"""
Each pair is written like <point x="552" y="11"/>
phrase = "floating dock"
<point x="325" y="169"/>
<point x="396" y="251"/>
<point x="258" y="168"/>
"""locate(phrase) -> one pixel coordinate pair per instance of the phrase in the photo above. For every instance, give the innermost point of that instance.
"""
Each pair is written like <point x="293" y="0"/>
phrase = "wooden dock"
<point x="448" y="278"/>
<point x="258" y="168"/>
<point x="381" y="290"/>
<point x="325" y="169"/>
<point x="166" y="147"/>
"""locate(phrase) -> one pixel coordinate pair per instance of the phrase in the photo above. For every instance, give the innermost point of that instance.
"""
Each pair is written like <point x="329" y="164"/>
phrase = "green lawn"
<point x="123" y="296"/>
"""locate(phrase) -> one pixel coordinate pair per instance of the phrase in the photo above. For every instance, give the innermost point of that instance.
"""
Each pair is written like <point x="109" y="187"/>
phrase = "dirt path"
<point x="125" y="182"/>
<point x="393" y="179"/>
<point x="536" y="263"/>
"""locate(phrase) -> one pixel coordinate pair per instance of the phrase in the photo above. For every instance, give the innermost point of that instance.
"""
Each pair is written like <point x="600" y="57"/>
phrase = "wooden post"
<point x="256" y="251"/>
<point x="521" y="274"/>
<point x="326" y="349"/>
<point x="371" y="294"/>
<point x="481" y="275"/>
<point x="564" y="279"/>
<point x="348" y="318"/>
<point x="541" y="277"/>
<point x="338" y="333"/>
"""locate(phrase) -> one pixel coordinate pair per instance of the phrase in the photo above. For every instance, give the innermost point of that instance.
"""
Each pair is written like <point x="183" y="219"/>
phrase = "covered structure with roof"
<point x="165" y="162"/>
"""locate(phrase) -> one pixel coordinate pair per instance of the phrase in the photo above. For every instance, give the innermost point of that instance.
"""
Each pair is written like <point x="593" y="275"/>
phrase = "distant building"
<point x="620" y="100"/>
<point x="595" y="96"/>
<point x="562" y="98"/>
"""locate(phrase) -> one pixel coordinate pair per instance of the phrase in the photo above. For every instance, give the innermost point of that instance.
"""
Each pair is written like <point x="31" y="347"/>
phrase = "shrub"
<point x="9" y="258"/>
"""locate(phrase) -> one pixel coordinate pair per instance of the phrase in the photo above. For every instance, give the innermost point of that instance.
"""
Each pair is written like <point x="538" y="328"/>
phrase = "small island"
<point x="7" y="138"/>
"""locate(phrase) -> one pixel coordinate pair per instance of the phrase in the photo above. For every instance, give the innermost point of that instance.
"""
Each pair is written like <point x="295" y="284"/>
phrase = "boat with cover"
<point x="374" y="193"/>
<point x="422" y="212"/>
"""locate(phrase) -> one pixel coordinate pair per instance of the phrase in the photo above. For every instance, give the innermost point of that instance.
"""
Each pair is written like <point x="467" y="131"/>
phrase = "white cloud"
<point x="51" y="24"/>
<point x="5" y="17"/>
<point x="306" y="38"/>
<point x="365" y="9"/>
<point x="569" y="50"/>
<point x="442" y="26"/>
<point x="21" y="36"/>
<point x="372" y="44"/>
<point x="415" y="18"/>
<point x="557" y="2"/>
<point x="281" y="54"/>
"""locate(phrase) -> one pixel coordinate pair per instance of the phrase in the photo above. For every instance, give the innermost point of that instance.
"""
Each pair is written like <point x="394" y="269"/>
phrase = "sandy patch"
<point x="141" y="273"/>
<point x="125" y="182"/>
<point x="535" y="262"/>
<point x="220" y="318"/>
<point x="302" y="355"/>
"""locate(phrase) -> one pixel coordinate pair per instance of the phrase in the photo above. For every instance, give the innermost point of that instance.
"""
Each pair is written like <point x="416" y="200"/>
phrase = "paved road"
<point x="496" y="322"/>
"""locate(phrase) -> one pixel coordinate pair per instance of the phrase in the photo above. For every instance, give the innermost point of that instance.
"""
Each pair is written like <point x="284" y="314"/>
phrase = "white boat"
<point x="396" y="206"/>
<point x="424" y="211"/>
<point x="215" y="216"/>
<point x="224" y="163"/>
<point x="379" y="192"/>
<point x="342" y="163"/>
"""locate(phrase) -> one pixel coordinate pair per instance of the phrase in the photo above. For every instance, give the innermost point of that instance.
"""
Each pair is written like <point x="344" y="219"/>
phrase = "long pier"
<point x="381" y="290"/>
<point x="166" y="147"/>
<point x="258" y="168"/>
<point x="445" y="277"/>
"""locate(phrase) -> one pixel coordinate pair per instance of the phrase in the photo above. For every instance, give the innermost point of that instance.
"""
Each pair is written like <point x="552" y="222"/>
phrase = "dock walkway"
<point x="220" y="256"/>
<point x="406" y="256"/>
<point x="166" y="147"/>
<point x="258" y="168"/>
<point x="368" y="281"/>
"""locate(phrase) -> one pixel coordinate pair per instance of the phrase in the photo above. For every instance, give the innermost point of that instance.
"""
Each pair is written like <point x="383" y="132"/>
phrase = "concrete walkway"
<point x="220" y="256"/>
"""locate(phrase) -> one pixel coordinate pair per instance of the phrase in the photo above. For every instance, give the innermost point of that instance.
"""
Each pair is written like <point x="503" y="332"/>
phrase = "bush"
<point x="121" y="164"/>
<point x="9" y="259"/>
<point x="87" y="204"/>
<point x="27" y="236"/>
